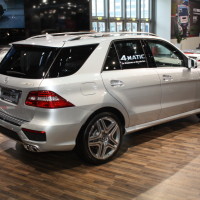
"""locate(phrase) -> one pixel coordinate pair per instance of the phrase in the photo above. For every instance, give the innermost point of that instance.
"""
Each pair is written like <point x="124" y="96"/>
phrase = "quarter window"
<point x="166" y="55"/>
<point x="131" y="54"/>
<point x="112" y="61"/>
<point x="70" y="60"/>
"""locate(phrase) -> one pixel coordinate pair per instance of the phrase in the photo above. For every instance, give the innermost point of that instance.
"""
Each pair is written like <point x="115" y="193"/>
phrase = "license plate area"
<point x="10" y="95"/>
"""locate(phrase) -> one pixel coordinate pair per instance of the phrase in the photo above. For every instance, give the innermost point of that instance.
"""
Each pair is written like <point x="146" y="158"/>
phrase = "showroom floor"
<point x="160" y="163"/>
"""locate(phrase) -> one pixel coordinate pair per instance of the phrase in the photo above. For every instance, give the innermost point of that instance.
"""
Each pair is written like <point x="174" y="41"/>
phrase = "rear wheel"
<point x="101" y="138"/>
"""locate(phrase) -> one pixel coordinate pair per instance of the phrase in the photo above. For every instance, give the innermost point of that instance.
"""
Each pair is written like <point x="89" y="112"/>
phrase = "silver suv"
<point x="63" y="91"/>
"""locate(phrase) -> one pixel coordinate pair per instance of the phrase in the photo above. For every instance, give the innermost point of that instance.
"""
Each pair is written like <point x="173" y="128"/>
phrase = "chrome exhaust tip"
<point x="31" y="147"/>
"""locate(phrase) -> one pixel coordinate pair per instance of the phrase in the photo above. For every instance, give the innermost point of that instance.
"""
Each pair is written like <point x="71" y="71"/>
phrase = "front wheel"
<point x="101" y="138"/>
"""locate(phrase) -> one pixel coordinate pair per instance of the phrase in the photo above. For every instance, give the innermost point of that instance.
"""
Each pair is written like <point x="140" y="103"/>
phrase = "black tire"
<point x="1" y="10"/>
<point x="100" y="139"/>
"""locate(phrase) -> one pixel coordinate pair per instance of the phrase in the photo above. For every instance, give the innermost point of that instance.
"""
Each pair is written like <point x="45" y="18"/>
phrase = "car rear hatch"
<point x="21" y="71"/>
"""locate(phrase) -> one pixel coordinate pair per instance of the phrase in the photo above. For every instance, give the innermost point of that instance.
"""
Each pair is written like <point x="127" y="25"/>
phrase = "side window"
<point x="70" y="60"/>
<point x="131" y="54"/>
<point x="112" y="61"/>
<point x="165" y="55"/>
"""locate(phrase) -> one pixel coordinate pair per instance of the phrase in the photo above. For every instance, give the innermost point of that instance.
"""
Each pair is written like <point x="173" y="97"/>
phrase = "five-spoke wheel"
<point x="101" y="138"/>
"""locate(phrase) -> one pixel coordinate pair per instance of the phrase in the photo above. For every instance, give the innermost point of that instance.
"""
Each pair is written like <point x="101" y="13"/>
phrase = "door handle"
<point x="116" y="83"/>
<point x="167" y="77"/>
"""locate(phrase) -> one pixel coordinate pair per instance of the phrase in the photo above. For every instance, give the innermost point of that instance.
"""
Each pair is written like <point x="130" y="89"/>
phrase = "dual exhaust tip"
<point x="32" y="148"/>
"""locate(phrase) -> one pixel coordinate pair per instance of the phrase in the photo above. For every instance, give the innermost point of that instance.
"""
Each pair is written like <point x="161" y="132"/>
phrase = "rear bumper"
<point x="59" y="138"/>
<point x="60" y="134"/>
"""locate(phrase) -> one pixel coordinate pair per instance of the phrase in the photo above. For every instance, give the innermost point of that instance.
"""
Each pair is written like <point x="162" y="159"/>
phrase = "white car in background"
<point x="3" y="7"/>
<point x="195" y="54"/>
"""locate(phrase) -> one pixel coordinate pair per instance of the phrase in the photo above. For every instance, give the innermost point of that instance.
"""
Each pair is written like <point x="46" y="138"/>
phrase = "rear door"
<point x="128" y="78"/>
<point x="179" y="84"/>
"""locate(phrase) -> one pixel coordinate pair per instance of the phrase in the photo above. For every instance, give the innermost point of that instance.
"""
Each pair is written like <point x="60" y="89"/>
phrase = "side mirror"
<point x="192" y="63"/>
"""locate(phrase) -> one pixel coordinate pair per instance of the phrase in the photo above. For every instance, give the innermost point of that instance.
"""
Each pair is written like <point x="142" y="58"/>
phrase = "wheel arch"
<point x="112" y="110"/>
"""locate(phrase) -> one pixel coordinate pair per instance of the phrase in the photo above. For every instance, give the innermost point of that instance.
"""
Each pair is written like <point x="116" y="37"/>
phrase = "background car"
<point x="195" y="54"/>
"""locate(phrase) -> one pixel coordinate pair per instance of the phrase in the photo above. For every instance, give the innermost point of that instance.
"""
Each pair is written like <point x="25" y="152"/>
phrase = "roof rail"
<point x="108" y="34"/>
<point x="74" y="38"/>
<point x="138" y="33"/>
<point x="48" y="35"/>
<point x="79" y="35"/>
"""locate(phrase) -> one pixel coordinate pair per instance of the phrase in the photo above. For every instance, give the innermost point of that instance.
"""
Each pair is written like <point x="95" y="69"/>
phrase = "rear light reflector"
<point x="33" y="131"/>
<point x="46" y="99"/>
<point x="34" y="135"/>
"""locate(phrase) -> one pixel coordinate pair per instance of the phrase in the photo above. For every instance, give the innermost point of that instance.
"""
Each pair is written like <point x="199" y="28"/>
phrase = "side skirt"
<point x="160" y="121"/>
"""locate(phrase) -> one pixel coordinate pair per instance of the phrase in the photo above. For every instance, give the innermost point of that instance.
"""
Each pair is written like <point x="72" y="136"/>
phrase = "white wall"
<point x="163" y="18"/>
<point x="189" y="43"/>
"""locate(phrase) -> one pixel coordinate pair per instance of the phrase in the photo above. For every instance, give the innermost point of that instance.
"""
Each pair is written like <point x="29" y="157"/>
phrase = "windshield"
<point x="33" y="62"/>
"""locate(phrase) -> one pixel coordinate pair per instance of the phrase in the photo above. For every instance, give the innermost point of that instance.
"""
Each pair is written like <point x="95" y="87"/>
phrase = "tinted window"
<point x="27" y="62"/>
<point x="165" y="55"/>
<point x="112" y="61"/>
<point x="70" y="60"/>
<point x="131" y="54"/>
<point x="35" y="62"/>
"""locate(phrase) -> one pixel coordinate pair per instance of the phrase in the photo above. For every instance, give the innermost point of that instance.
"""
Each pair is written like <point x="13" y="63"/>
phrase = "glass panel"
<point x="144" y="8"/>
<point x="134" y="27"/>
<point x="100" y="7"/>
<point x="131" y="26"/>
<point x="94" y="26"/>
<point x="145" y="27"/>
<point x="118" y="8"/>
<point x="115" y="8"/>
<point x="102" y="27"/>
<point x="112" y="27"/>
<point x="131" y="54"/>
<point x="166" y="55"/>
<point x="128" y="26"/>
<point x="119" y="26"/>
<point x="128" y="8"/>
<point x="112" y="61"/>
<point x="133" y="8"/>
<point x="112" y="8"/>
<point x="94" y="8"/>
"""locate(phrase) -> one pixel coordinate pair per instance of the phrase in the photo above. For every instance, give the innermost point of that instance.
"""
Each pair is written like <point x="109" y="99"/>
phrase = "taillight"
<point x="46" y="99"/>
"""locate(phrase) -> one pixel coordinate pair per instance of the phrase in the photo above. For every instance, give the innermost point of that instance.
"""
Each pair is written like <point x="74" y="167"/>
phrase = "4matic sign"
<point x="132" y="59"/>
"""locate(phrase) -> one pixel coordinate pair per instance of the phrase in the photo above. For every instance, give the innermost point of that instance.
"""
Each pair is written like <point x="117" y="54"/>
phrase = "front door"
<point x="179" y="84"/>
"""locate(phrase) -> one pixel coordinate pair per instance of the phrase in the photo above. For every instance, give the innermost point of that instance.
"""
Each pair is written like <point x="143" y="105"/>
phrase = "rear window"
<point x="27" y="61"/>
<point x="39" y="62"/>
